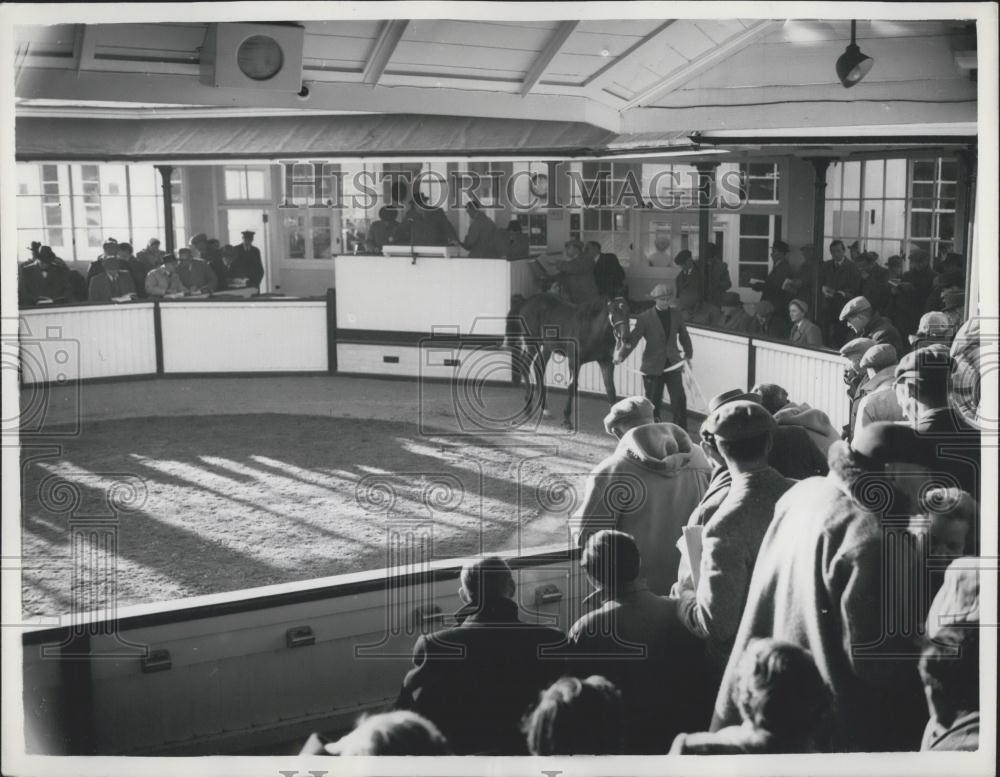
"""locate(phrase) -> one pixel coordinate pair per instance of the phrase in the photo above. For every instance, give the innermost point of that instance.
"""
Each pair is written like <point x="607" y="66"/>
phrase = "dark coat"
<point x="693" y="279"/>
<point x="636" y="640"/>
<point x="718" y="281"/>
<point x="247" y="264"/>
<point x="103" y="289"/>
<point x="661" y="349"/>
<point x="881" y="330"/>
<point x="609" y="275"/>
<point x="475" y="681"/>
<point x="36" y="280"/>
<point x="795" y="455"/>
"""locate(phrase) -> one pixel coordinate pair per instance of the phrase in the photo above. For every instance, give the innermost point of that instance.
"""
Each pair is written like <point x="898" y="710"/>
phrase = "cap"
<point x="730" y="396"/>
<point x="800" y="304"/>
<point x="661" y="290"/>
<point x="739" y="420"/>
<point x="248" y="232"/>
<point x="859" y="345"/>
<point x="923" y="363"/>
<point x="854" y="307"/>
<point x="780" y="245"/>
<point x="888" y="442"/>
<point x="957" y="601"/>
<point x="631" y="409"/>
<point x="879" y="357"/>
<point x="933" y="323"/>
<point x="731" y="299"/>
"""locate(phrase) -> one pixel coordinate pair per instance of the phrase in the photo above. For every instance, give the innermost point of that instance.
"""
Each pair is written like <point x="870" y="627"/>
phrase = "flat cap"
<point x="879" y="356"/>
<point x="856" y="346"/>
<point x="739" y="420"/>
<point x="661" y="290"/>
<point x="801" y="305"/>
<point x="730" y="396"/>
<point x="731" y="299"/>
<point x="933" y="323"/>
<point x="854" y="307"/>
<point x="630" y="409"/>
<point x="930" y="360"/>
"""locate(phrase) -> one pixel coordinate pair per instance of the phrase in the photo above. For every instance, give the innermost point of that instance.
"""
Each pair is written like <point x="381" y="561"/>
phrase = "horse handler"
<point x="662" y="361"/>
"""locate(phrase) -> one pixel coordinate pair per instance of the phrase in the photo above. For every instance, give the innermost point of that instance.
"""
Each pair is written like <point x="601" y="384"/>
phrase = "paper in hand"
<point x="692" y="539"/>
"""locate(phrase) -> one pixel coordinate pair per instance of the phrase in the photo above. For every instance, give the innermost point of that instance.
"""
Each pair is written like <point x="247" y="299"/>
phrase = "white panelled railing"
<point x="59" y="345"/>
<point x="809" y="376"/>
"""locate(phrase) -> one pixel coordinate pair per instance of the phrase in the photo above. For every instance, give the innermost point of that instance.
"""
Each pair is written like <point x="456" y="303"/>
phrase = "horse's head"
<point x="618" y="312"/>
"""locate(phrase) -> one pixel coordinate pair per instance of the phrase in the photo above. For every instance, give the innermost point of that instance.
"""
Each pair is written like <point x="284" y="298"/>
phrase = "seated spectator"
<point x="743" y="434"/>
<point x="609" y="275"/>
<point x="949" y="521"/>
<point x="783" y="702"/>
<point x="45" y="279"/>
<point x="787" y="413"/>
<point x="767" y="323"/>
<point x="198" y="245"/>
<point x="109" y="248"/>
<point x="636" y="640"/>
<point x="647" y="488"/>
<point x="734" y="317"/>
<point x="152" y="254"/>
<point x="577" y="717"/>
<point x="877" y="399"/>
<point x="114" y="284"/>
<point x="627" y="414"/>
<point x="165" y="280"/>
<point x="389" y="733"/>
<point x="804" y="332"/>
<point x="476" y="680"/>
<point x="139" y="265"/>
<point x="196" y="276"/>
<point x="865" y="322"/>
<point x="696" y="310"/>
<point x="949" y="669"/>
<point x="934" y="327"/>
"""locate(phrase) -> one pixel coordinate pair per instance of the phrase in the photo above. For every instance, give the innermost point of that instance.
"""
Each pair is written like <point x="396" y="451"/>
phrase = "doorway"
<point x="235" y="221"/>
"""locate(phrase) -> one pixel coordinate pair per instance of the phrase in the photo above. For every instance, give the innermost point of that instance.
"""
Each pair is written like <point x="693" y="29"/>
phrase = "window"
<point x="536" y="227"/>
<point x="250" y="183"/>
<point x="759" y="181"/>
<point x="933" y="192"/>
<point x="757" y="233"/>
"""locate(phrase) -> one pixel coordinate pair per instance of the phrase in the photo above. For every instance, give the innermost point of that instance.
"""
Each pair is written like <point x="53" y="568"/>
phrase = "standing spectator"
<point x="247" y="262"/>
<point x="576" y="273"/>
<point x="636" y="640"/>
<point x="647" y="488"/>
<point x="577" y="717"/>
<point x="381" y="233"/>
<point x="743" y="434"/>
<point x="691" y="275"/>
<point x="628" y="414"/>
<point x="518" y="243"/>
<point x="783" y="702"/>
<point x="609" y="275"/>
<point x="474" y="681"/>
<point x="734" y="317"/>
<point x="865" y="322"/>
<point x="196" y="275"/>
<point x="951" y="274"/>
<point x="874" y="282"/>
<point x="780" y="287"/>
<point x="165" y="280"/>
<point x="877" y="395"/>
<point x="840" y="281"/>
<point x="481" y="238"/>
<point x="665" y="333"/>
<point x="881" y="357"/>
<point x="698" y="311"/>
<point x="44" y="280"/>
<point x="913" y="290"/>
<point x="819" y="584"/>
<point x="717" y="280"/>
<point x="804" y="332"/>
<point x="767" y="323"/>
<point x="112" y="285"/>
<point x="786" y="413"/>
<point x="854" y="373"/>
<point x="949" y="669"/>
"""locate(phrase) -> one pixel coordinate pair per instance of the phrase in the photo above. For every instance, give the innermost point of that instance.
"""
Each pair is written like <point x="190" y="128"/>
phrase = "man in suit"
<point x="196" y="275"/>
<point x="609" y="275"/>
<point x="691" y="275"/>
<point x="865" y="321"/>
<point x="113" y="284"/>
<point x="663" y="328"/>
<point x="247" y="262"/>
<point x="475" y="681"/>
<point x="840" y="281"/>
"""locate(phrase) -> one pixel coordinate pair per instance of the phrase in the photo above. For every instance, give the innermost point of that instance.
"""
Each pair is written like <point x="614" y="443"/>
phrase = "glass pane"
<point x="591" y="219"/>
<point x="761" y="169"/>
<point x="847" y="221"/>
<point x="923" y="190"/>
<point x="894" y="219"/>
<point x="834" y="179"/>
<point x="872" y="221"/>
<point x="852" y="180"/>
<point x="321" y="238"/>
<point x="293" y="227"/>
<point x="828" y="217"/>
<point x="949" y="170"/>
<point x="28" y="179"/>
<point x="144" y="212"/>
<point x="895" y="178"/>
<point x="256" y="185"/>
<point x="924" y="170"/>
<point x="946" y="226"/>
<point x="755" y="225"/>
<point x="874" y="178"/>
<point x="29" y="213"/>
<point x="606" y="220"/>
<point x="921" y="225"/>
<point x="761" y="189"/>
<point x="112" y="179"/>
<point x="234" y="185"/>
<point x="754" y="250"/>
<point x="143" y="181"/>
<point x="947" y="191"/>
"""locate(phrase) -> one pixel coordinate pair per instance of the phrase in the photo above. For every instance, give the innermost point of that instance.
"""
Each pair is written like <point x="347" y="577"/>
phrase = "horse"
<point x="545" y="324"/>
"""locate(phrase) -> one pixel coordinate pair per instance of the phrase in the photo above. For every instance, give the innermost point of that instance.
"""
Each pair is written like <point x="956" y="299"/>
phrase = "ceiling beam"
<point x="609" y="69"/>
<point x="388" y="38"/>
<point x="562" y="31"/>
<point x="699" y="65"/>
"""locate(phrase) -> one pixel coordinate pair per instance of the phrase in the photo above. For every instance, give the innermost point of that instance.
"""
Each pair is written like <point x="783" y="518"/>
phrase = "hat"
<point x="854" y="307"/>
<point x="888" y="442"/>
<point x="957" y="601"/>
<point x="731" y="299"/>
<point x="661" y="290"/>
<point x="925" y="362"/>
<point x="109" y="242"/>
<point x="803" y="306"/>
<point x="856" y="346"/>
<point x="730" y="396"/>
<point x="780" y="245"/>
<point x="632" y="409"/>
<point x="952" y="298"/>
<point x="933" y="323"/>
<point x="879" y="357"/>
<point x="764" y="308"/>
<point x="248" y="232"/>
<point x="739" y="420"/>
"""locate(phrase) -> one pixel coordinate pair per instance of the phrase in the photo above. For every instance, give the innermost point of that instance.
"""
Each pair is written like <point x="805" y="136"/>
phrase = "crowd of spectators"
<point x="120" y="274"/>
<point x="743" y="600"/>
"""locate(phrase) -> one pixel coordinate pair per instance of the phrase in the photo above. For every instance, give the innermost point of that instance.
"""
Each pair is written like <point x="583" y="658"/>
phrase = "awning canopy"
<point x="291" y="137"/>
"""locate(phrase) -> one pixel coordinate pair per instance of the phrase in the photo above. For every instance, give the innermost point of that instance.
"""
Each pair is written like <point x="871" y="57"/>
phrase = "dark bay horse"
<point x="544" y="324"/>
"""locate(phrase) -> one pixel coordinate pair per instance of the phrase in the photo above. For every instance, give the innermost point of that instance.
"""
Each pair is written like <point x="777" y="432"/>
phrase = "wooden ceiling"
<point x="628" y="76"/>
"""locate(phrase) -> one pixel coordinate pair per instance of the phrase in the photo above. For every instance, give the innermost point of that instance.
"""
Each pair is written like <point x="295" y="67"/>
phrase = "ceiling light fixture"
<point x="853" y="65"/>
